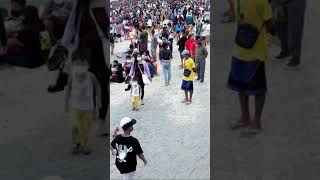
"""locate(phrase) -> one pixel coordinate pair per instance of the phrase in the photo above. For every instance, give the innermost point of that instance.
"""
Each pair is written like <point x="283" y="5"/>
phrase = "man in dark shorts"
<point x="247" y="75"/>
<point x="126" y="148"/>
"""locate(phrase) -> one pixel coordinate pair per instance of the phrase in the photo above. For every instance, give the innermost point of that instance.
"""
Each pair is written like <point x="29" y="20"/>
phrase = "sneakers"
<point x="292" y="66"/>
<point x="75" y="149"/>
<point x="281" y="56"/>
<point x="85" y="150"/>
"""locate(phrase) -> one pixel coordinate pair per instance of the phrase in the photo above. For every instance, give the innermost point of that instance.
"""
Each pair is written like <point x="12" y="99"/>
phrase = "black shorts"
<point x="119" y="35"/>
<point x="255" y="86"/>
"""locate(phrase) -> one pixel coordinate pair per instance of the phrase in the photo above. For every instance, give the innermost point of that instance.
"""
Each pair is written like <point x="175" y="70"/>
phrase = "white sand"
<point x="174" y="137"/>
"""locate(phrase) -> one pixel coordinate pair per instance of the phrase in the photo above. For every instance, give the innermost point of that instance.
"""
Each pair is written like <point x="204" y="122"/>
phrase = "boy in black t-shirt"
<point x="126" y="148"/>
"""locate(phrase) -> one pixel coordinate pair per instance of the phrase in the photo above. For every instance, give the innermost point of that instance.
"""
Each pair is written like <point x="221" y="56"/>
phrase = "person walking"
<point x="189" y="69"/>
<point x="200" y="59"/>
<point x="247" y="75"/>
<point x="154" y="45"/>
<point x="139" y="68"/>
<point x="165" y="59"/>
<point x="126" y="148"/>
<point x="81" y="87"/>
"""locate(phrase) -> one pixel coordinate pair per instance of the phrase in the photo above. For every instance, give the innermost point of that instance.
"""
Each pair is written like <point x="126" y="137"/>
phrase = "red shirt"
<point x="191" y="47"/>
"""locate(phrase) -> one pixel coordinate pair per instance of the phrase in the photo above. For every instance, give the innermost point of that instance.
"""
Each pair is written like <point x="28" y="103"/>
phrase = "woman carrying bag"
<point x="140" y="70"/>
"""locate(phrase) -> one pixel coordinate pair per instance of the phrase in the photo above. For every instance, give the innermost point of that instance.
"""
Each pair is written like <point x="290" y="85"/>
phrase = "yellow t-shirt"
<point x="254" y="12"/>
<point x="189" y="64"/>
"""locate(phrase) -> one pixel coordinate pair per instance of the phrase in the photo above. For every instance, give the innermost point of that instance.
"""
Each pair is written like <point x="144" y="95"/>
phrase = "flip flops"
<point x="238" y="125"/>
<point x="250" y="132"/>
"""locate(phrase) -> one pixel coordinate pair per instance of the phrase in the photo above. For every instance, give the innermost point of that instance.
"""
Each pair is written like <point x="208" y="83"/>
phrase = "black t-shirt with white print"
<point x="127" y="150"/>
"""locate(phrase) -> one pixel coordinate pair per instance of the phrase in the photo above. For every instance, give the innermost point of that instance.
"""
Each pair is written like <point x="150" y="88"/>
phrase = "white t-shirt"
<point x="206" y="30"/>
<point x="135" y="91"/>
<point x="82" y="93"/>
<point x="149" y="23"/>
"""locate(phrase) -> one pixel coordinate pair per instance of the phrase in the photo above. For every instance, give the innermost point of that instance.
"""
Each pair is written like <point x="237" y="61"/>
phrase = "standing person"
<point x="200" y="58"/>
<point x="165" y="57"/>
<point x="154" y="45"/>
<point x="198" y="27"/>
<point x="296" y="11"/>
<point x="138" y="68"/>
<point x="143" y="40"/>
<point x="247" y="76"/>
<point x="206" y="32"/>
<point x="118" y="29"/>
<point x="126" y="148"/>
<point x="112" y="43"/>
<point x="182" y="44"/>
<point x="135" y="94"/>
<point x="92" y="35"/>
<point x="191" y="45"/>
<point x="281" y="22"/>
<point x="80" y="100"/>
<point x="189" y="68"/>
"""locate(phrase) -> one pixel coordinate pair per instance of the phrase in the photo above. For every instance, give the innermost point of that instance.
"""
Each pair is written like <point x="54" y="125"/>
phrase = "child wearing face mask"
<point x="81" y="88"/>
<point x="135" y="94"/>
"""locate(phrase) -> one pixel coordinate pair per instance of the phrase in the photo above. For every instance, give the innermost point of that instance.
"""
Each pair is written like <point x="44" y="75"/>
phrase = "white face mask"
<point x="139" y="59"/>
<point x="80" y="69"/>
<point x="134" y="83"/>
<point x="58" y="1"/>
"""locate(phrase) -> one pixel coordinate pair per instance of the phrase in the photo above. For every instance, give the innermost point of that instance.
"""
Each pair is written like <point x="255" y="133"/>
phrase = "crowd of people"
<point x="70" y="37"/>
<point x="257" y="22"/>
<point x="156" y="33"/>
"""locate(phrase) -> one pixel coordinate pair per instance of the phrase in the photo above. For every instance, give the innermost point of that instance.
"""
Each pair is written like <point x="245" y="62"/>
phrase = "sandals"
<point x="85" y="150"/>
<point x="184" y="101"/>
<point x="238" y="125"/>
<point x="250" y="132"/>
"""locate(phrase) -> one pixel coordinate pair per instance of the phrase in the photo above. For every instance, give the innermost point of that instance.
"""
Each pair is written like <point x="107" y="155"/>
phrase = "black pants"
<point x="282" y="32"/>
<point x="296" y="11"/>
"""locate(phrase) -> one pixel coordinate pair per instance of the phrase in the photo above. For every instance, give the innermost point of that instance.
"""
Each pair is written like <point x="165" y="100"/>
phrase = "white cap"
<point x="185" y="52"/>
<point x="127" y="122"/>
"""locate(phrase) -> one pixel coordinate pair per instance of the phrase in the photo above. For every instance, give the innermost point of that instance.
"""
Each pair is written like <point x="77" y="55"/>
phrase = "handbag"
<point x="186" y="71"/>
<point x="247" y="34"/>
<point x="145" y="78"/>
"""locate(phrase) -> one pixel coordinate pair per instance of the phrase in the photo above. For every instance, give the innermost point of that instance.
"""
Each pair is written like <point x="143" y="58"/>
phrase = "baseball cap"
<point x="185" y="52"/>
<point x="127" y="122"/>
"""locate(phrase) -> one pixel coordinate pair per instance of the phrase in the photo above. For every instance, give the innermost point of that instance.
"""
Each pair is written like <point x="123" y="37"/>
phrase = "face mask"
<point x="139" y="59"/>
<point x="80" y="69"/>
<point x="58" y="1"/>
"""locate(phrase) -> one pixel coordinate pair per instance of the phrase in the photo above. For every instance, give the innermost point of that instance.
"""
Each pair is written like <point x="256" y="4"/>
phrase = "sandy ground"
<point x="288" y="149"/>
<point x="174" y="137"/>
<point x="35" y="137"/>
